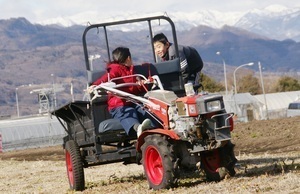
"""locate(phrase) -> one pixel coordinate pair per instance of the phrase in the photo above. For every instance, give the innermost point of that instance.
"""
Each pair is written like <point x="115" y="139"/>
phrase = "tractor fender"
<point x="141" y="140"/>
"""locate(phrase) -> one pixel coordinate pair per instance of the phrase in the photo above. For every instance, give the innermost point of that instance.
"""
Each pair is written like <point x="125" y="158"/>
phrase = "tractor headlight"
<point x="210" y="103"/>
<point x="212" y="106"/>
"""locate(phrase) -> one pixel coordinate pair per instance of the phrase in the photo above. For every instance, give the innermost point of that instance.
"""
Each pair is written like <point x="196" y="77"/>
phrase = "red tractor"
<point x="194" y="131"/>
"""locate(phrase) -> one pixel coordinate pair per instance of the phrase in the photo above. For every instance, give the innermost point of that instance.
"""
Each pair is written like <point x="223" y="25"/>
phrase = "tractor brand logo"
<point x="163" y="111"/>
<point x="154" y="106"/>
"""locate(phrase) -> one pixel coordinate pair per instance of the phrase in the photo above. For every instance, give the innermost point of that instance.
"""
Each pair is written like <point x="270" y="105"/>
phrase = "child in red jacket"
<point x="128" y="113"/>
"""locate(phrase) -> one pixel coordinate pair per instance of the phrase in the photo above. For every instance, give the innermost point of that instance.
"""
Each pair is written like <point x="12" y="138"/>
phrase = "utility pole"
<point x="17" y="103"/>
<point x="54" y="91"/>
<point x="263" y="90"/>
<point x="224" y="66"/>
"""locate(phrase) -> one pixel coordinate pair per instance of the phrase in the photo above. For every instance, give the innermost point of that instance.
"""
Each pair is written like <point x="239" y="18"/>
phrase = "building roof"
<point x="29" y="128"/>
<point x="279" y="100"/>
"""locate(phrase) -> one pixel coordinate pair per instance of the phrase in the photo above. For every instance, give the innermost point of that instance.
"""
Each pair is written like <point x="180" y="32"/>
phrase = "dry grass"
<point x="263" y="173"/>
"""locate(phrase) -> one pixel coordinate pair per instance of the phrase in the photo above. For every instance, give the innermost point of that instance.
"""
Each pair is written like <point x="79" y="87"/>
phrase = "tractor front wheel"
<point x="159" y="162"/>
<point x="74" y="166"/>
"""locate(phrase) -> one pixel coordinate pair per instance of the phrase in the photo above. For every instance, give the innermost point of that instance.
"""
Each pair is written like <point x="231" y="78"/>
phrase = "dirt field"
<point x="268" y="154"/>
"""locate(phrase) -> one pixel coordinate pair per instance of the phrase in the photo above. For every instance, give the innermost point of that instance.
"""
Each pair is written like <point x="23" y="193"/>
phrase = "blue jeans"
<point x="129" y="116"/>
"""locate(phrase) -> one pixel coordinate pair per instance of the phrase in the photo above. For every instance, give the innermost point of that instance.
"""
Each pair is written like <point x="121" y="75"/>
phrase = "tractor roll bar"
<point x="104" y="25"/>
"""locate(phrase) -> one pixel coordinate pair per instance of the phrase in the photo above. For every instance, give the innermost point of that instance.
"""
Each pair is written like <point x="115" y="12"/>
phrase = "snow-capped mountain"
<point x="274" y="22"/>
<point x="210" y="18"/>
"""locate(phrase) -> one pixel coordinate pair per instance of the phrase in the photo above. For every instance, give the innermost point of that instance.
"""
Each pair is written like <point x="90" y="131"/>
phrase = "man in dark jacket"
<point x="190" y="60"/>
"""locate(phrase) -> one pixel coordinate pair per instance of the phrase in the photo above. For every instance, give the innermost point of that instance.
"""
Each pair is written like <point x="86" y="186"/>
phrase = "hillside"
<point x="239" y="47"/>
<point x="32" y="53"/>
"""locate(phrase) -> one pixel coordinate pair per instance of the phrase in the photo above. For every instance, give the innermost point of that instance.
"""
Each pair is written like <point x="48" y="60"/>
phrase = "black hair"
<point x="160" y="38"/>
<point x="120" y="54"/>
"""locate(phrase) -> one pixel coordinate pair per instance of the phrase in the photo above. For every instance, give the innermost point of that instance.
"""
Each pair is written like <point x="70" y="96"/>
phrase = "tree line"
<point x="251" y="84"/>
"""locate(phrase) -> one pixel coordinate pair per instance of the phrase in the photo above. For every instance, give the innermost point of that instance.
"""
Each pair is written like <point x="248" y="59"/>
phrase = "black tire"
<point x="211" y="164"/>
<point x="228" y="158"/>
<point x="74" y="166"/>
<point x="159" y="162"/>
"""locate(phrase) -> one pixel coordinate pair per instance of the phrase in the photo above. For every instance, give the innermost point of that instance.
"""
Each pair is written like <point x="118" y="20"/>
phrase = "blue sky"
<point x="39" y="10"/>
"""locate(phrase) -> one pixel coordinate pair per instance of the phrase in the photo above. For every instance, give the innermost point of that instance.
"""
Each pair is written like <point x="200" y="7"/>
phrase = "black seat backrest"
<point x="168" y="71"/>
<point x="99" y="106"/>
<point x="94" y="75"/>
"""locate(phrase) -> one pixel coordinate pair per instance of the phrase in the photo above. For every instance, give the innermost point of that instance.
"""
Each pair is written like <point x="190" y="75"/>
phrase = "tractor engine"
<point x="200" y="119"/>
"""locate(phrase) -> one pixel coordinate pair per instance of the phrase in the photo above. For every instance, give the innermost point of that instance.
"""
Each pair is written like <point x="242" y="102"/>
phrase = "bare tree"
<point x="250" y="84"/>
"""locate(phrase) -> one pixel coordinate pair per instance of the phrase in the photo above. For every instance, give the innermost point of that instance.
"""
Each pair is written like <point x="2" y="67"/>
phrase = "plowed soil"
<point x="268" y="154"/>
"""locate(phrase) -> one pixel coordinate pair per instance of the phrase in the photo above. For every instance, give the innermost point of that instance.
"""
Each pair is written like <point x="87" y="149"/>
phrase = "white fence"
<point x="31" y="132"/>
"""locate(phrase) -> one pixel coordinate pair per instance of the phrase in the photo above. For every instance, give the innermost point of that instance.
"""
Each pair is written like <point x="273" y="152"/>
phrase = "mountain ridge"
<point x="19" y="33"/>
<point x="31" y="53"/>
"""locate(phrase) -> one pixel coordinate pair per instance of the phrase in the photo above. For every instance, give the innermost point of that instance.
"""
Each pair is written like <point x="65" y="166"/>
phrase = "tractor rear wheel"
<point x="159" y="162"/>
<point x="74" y="166"/>
<point x="211" y="164"/>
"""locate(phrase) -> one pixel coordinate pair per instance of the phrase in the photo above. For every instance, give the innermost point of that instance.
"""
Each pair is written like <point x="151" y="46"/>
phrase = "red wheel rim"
<point x="69" y="168"/>
<point x="154" y="166"/>
<point x="212" y="161"/>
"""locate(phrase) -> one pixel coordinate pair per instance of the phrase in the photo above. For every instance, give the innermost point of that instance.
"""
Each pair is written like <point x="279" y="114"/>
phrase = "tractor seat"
<point x="111" y="131"/>
<point x="110" y="125"/>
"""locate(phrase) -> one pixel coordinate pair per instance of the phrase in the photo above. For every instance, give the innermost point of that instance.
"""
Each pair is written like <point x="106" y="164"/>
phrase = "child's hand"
<point x="140" y="82"/>
<point x="91" y="89"/>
